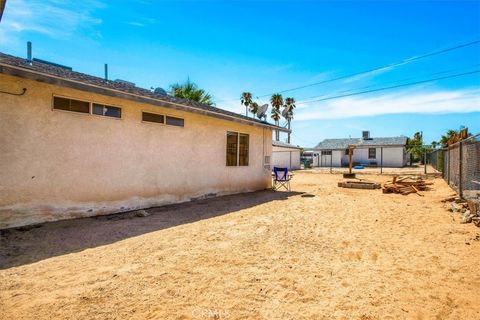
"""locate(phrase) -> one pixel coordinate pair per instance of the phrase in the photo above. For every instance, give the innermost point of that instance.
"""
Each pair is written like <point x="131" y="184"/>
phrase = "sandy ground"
<point x="319" y="252"/>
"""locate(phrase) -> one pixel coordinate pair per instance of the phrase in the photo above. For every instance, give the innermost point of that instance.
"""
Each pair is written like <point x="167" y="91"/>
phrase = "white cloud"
<point x="408" y="101"/>
<point x="369" y="74"/>
<point x="142" y="21"/>
<point x="53" y="18"/>
<point x="136" y="24"/>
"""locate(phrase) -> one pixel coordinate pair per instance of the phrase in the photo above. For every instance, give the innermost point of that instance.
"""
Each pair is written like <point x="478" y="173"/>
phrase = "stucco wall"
<point x="286" y="157"/>
<point x="392" y="157"/>
<point x="59" y="164"/>
<point x="333" y="160"/>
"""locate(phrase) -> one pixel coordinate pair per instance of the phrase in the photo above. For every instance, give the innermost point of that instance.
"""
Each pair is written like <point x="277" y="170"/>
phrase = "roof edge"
<point x="284" y="145"/>
<point x="82" y="86"/>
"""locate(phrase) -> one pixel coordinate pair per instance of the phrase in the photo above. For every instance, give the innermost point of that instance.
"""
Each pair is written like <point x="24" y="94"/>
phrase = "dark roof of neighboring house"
<point x="344" y="143"/>
<point x="284" y="145"/>
<point x="65" y="77"/>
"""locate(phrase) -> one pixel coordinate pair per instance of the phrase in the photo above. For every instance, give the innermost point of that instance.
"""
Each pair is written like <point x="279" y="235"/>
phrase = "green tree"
<point x="290" y="105"/>
<point x="246" y="100"/>
<point x="277" y="101"/>
<point x="190" y="91"/>
<point x="254" y="108"/>
<point x="449" y="135"/>
<point x="415" y="147"/>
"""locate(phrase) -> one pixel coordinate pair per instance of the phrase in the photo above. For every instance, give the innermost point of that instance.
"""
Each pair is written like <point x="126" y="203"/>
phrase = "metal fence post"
<point x="460" y="169"/>
<point x="331" y="156"/>
<point x="448" y="165"/>
<point x="425" y="161"/>
<point x="381" y="160"/>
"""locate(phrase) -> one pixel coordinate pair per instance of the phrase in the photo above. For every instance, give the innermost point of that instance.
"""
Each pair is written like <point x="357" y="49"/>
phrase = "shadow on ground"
<point x="27" y="245"/>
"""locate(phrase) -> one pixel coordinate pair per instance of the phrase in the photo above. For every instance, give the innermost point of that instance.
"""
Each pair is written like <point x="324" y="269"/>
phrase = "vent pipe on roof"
<point x="29" y="52"/>
<point x="106" y="72"/>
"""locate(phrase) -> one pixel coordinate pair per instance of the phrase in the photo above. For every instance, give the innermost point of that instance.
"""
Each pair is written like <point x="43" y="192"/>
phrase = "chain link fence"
<point x="459" y="164"/>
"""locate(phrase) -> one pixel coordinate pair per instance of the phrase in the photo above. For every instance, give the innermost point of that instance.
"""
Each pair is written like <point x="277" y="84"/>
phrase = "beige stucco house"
<point x="74" y="145"/>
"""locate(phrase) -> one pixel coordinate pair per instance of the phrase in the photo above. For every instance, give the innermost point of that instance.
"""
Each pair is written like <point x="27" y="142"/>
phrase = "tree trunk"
<point x="288" y="137"/>
<point x="277" y="133"/>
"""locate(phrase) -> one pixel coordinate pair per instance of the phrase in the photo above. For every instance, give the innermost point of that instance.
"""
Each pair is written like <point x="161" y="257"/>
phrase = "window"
<point x="346" y="152"/>
<point x="107" y="111"/>
<point x="237" y="149"/>
<point x="372" y="153"/>
<point x="67" y="104"/>
<point x="172" y="121"/>
<point x="243" y="150"/>
<point x="326" y="152"/>
<point x="160" y="118"/>
<point x="153" y="117"/>
<point x="71" y="105"/>
<point x="232" y="146"/>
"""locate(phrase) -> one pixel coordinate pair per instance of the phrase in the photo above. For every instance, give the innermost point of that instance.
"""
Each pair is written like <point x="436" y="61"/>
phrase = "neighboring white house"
<point x="285" y="155"/>
<point x="385" y="151"/>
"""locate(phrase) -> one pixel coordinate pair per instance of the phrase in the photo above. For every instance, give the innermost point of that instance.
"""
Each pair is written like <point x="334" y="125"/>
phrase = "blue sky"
<point x="269" y="46"/>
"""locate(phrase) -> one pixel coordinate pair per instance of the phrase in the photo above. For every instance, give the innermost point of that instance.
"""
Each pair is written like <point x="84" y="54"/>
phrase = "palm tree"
<point x="254" y="108"/>
<point x="189" y="90"/>
<point x="290" y="105"/>
<point x="415" y="147"/>
<point x="246" y="100"/>
<point x="277" y="101"/>
<point x="445" y="138"/>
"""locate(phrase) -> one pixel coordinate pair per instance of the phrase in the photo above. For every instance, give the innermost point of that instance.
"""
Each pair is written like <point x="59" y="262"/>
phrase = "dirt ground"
<point x="319" y="252"/>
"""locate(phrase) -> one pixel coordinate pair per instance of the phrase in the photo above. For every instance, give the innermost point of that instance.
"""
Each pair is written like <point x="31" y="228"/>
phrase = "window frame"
<point x="90" y="107"/>
<point x="374" y="151"/>
<point x="165" y="115"/>
<point x="70" y="111"/>
<point x="106" y="105"/>
<point x="248" y="150"/>
<point x="236" y="148"/>
<point x="237" y="151"/>
<point x="155" y="123"/>
<point x="173" y="116"/>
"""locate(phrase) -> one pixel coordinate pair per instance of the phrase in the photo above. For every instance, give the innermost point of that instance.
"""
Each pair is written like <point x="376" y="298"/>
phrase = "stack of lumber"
<point x="406" y="185"/>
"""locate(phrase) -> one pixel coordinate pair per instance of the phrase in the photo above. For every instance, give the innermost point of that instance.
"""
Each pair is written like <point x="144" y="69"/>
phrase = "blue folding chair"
<point x="281" y="178"/>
